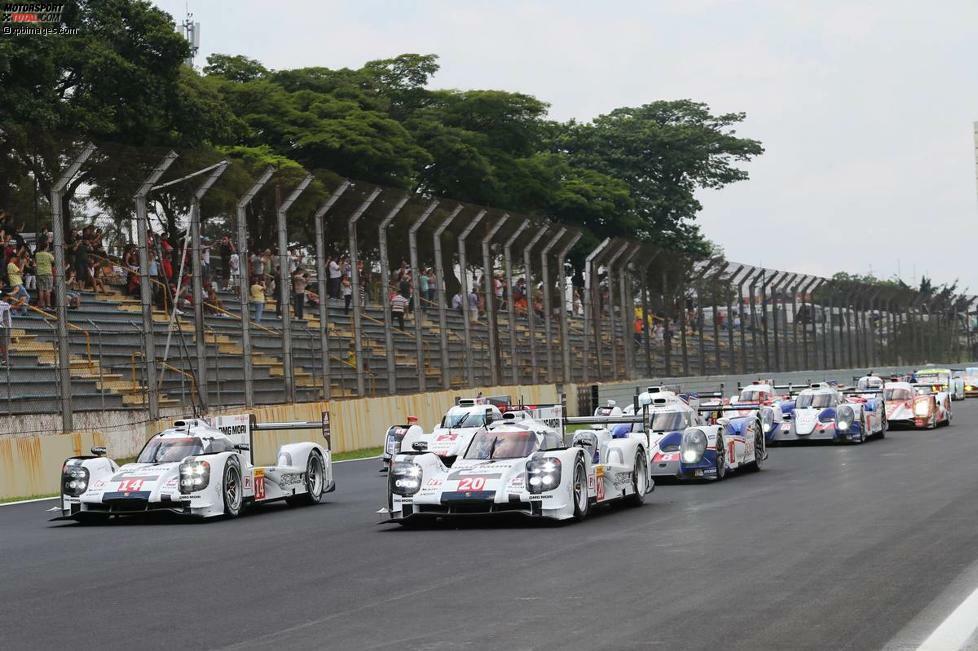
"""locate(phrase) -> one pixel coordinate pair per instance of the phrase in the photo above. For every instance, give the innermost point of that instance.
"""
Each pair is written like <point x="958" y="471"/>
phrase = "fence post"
<point x="754" y="323"/>
<point x="142" y="226"/>
<point x="773" y="279"/>
<point x="489" y="278"/>
<point x="716" y="314"/>
<point x="749" y="277"/>
<point x="446" y="377"/>
<point x="58" y="233"/>
<point x="610" y="267"/>
<point x="588" y="299"/>
<point x="285" y="288"/>
<point x="351" y="227"/>
<point x="627" y="312"/>
<point x="319" y="219"/>
<point x="415" y="286"/>
<point x="530" y="316"/>
<point x="510" y="311"/>
<point x="785" y="281"/>
<point x="244" y="282"/>
<point x="463" y="272"/>
<point x="568" y="375"/>
<point x="198" y="281"/>
<point x="547" y="303"/>
<point x="668" y="305"/>
<point x="385" y="284"/>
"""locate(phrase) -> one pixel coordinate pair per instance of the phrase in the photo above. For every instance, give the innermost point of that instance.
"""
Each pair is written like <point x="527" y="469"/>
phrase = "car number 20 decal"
<point x="472" y="483"/>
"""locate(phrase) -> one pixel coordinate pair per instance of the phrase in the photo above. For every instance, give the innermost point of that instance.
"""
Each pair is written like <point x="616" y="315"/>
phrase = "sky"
<point x="865" y="109"/>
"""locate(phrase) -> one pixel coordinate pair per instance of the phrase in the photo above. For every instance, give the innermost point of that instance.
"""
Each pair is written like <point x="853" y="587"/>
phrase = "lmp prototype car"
<point x="711" y="451"/>
<point x="942" y="380"/>
<point x="822" y="412"/>
<point x="763" y="400"/>
<point x="969" y="377"/>
<point x="916" y="405"/>
<point x="451" y="435"/>
<point x="197" y="469"/>
<point x="520" y="465"/>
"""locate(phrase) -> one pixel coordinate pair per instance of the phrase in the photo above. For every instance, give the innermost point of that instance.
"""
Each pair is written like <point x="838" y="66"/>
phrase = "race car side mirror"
<point x="242" y="447"/>
<point x="98" y="451"/>
<point x="420" y="446"/>
<point x="489" y="418"/>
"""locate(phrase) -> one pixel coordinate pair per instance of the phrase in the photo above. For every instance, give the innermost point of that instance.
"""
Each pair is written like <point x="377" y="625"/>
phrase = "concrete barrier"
<point x="30" y="463"/>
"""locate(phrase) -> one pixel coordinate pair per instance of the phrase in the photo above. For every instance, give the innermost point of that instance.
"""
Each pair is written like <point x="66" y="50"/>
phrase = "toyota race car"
<point x="520" y="465"/>
<point x="710" y="451"/>
<point x="194" y="468"/>
<point x="916" y="405"/>
<point x="451" y="435"/>
<point x="822" y="412"/>
<point x="760" y="399"/>
<point x="942" y="380"/>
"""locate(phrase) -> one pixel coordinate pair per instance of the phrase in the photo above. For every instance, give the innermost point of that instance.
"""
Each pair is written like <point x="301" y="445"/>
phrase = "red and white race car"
<point x="916" y="405"/>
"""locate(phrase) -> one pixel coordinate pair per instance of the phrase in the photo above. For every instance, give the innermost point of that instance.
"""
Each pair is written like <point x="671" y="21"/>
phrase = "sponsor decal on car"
<point x="259" y="483"/>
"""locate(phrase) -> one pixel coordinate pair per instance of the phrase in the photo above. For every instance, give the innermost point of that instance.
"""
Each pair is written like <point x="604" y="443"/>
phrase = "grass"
<point x="362" y="453"/>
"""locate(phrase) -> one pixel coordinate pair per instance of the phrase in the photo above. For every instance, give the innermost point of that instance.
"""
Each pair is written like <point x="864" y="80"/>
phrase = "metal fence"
<point x="511" y="299"/>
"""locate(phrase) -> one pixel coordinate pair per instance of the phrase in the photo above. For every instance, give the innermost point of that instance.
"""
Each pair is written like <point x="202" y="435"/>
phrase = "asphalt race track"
<point x="829" y="547"/>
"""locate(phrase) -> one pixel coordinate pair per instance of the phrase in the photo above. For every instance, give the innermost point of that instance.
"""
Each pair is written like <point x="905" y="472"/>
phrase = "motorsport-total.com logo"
<point x="33" y="19"/>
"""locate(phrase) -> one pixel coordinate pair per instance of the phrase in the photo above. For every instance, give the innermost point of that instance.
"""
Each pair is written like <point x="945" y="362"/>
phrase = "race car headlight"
<point x="921" y="408"/>
<point x="74" y="480"/>
<point x="405" y="478"/>
<point x="693" y="446"/>
<point x="195" y="475"/>
<point x="542" y="475"/>
<point x="844" y="418"/>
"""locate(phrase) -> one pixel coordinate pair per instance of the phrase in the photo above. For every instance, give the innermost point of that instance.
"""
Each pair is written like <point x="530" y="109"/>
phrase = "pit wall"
<point x="30" y="463"/>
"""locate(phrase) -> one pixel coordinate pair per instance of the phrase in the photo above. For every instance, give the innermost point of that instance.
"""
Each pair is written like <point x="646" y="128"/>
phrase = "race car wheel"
<point x="721" y="459"/>
<point x="582" y="502"/>
<point x="231" y="489"/>
<point x="640" y="479"/>
<point x="759" y="452"/>
<point x="884" y="425"/>
<point x="315" y="482"/>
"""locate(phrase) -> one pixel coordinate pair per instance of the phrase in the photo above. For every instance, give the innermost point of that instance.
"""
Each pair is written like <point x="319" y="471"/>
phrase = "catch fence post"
<point x="351" y="227"/>
<point x="627" y="312"/>
<point x="547" y="304"/>
<point x="385" y="283"/>
<point x="418" y="307"/>
<point x="568" y="375"/>
<point x="590" y="270"/>
<point x="463" y="272"/>
<point x="510" y="308"/>
<point x="319" y="220"/>
<point x="285" y="288"/>
<point x="489" y="279"/>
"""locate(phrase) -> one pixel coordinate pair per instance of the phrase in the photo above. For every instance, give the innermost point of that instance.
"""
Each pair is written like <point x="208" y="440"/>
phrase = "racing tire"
<point x="721" y="464"/>
<point x="231" y="489"/>
<point x="315" y="482"/>
<point x="582" y="503"/>
<point x="884" y="425"/>
<point x="760" y="451"/>
<point x="640" y="481"/>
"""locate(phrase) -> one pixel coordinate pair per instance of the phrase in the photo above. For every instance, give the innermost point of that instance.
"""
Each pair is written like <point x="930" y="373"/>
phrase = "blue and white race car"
<point x="823" y="412"/>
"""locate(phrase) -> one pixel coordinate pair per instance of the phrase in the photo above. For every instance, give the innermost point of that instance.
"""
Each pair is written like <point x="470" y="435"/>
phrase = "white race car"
<point x="451" y="435"/>
<point x="521" y="465"/>
<point x="942" y="380"/>
<point x="916" y="405"/>
<point x="197" y="469"/>
<point x="970" y="378"/>
<point x="763" y="399"/>
<point x="823" y="412"/>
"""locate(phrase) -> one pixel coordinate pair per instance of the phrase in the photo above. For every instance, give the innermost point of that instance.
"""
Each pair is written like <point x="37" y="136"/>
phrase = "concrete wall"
<point x="30" y="462"/>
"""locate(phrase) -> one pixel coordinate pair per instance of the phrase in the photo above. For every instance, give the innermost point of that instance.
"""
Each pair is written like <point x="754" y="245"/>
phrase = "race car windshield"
<point x="752" y="395"/>
<point x="170" y="450"/>
<point x="501" y="445"/>
<point x="451" y="421"/>
<point x="813" y="400"/>
<point x="896" y="394"/>
<point x="668" y="421"/>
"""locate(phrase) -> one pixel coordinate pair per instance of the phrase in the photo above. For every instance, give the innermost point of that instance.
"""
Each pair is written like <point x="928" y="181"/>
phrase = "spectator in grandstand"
<point x="497" y="289"/>
<point x="80" y="251"/>
<point x="423" y="286"/>
<point x="256" y="265"/>
<point x="432" y="285"/>
<point x="213" y="304"/>
<point x="457" y="302"/>
<point x="258" y="298"/>
<point x="44" y="265"/>
<point x="346" y="287"/>
<point x="334" y="277"/>
<point x="473" y="305"/>
<point x="233" y="271"/>
<point x="96" y="272"/>
<point x="11" y="228"/>
<point x="225" y="251"/>
<point x="14" y="276"/>
<point x="299" y="281"/>
<point x="399" y="305"/>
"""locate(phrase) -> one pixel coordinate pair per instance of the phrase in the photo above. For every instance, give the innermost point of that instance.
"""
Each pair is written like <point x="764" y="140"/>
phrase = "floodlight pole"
<point x="416" y="296"/>
<point x="510" y="310"/>
<point x="488" y="280"/>
<point x="244" y="282"/>
<point x="60" y="280"/>
<point x="319" y="220"/>
<point x="198" y="284"/>
<point x="469" y="357"/>
<point x="145" y="290"/>
<point x="446" y="379"/>
<point x="351" y="227"/>
<point x="385" y="282"/>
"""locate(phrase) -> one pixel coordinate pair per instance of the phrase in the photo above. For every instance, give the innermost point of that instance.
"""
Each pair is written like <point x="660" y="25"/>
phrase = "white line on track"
<point x="955" y="631"/>
<point x="54" y="497"/>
